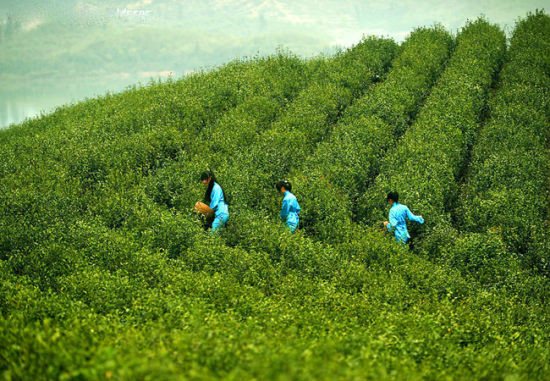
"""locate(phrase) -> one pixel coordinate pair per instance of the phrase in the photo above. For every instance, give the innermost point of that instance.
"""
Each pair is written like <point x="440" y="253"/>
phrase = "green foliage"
<point x="427" y="163"/>
<point x="506" y="188"/>
<point x="342" y="166"/>
<point x="106" y="273"/>
<point x="306" y="121"/>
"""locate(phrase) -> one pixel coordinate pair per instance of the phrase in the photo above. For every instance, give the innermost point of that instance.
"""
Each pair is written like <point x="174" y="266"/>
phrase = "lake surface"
<point x="30" y="102"/>
<point x="16" y="110"/>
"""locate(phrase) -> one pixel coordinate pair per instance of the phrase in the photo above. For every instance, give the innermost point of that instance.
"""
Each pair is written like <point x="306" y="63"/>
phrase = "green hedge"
<point x="427" y="164"/>
<point x="342" y="166"/>
<point x="106" y="274"/>
<point x="54" y="167"/>
<point x="506" y="189"/>
<point x="88" y="159"/>
<point x="280" y="78"/>
<point x="305" y="122"/>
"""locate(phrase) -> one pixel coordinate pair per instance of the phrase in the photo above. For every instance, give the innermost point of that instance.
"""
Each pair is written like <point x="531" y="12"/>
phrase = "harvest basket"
<point x="203" y="209"/>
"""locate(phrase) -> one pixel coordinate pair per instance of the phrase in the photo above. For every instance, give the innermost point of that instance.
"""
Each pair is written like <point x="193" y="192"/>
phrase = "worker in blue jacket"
<point x="214" y="199"/>
<point x="397" y="218"/>
<point x="291" y="209"/>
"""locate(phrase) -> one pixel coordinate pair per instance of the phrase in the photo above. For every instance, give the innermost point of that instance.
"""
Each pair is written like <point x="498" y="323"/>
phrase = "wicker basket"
<point x="203" y="209"/>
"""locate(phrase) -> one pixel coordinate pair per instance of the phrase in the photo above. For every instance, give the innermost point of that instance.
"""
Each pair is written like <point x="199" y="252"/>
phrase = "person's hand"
<point x="386" y="223"/>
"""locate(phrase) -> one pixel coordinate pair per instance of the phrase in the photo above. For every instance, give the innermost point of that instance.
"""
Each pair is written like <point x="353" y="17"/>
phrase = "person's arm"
<point x="392" y="223"/>
<point x="285" y="209"/>
<point x="215" y="197"/>
<point x="297" y="206"/>
<point x="413" y="217"/>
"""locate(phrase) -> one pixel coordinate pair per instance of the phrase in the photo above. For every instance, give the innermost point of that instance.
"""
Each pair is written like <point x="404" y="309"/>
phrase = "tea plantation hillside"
<point x="107" y="273"/>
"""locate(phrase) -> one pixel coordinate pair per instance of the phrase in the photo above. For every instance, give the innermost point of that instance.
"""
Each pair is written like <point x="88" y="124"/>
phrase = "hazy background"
<point x="57" y="51"/>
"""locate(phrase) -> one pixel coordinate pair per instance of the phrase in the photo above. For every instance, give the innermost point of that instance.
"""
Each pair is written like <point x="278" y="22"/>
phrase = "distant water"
<point x="32" y="102"/>
<point x="14" y="111"/>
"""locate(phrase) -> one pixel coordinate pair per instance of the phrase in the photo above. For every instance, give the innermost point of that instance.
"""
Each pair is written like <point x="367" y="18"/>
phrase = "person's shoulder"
<point x="398" y="208"/>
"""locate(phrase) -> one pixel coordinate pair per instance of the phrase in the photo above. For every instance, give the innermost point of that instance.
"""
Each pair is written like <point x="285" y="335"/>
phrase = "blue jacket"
<point x="397" y="221"/>
<point x="290" y="209"/>
<point x="217" y="201"/>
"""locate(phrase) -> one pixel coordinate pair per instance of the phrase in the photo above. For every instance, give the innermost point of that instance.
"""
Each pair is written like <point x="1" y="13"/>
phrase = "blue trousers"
<point x="219" y="222"/>
<point x="292" y="227"/>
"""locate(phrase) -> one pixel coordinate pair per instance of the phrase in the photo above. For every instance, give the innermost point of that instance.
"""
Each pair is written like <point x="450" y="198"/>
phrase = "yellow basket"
<point x="203" y="209"/>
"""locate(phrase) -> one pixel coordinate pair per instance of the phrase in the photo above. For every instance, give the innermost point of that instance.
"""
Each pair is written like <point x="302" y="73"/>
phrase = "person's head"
<point x="207" y="177"/>
<point x="393" y="196"/>
<point x="283" y="186"/>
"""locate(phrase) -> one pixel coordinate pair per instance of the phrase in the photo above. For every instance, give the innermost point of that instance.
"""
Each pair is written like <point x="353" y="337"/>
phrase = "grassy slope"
<point x="105" y="275"/>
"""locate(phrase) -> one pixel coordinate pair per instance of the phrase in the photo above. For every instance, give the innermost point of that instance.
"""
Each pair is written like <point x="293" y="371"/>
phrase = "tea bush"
<point x="342" y="166"/>
<point x="106" y="273"/>
<point x="278" y="81"/>
<point x="506" y="191"/>
<point x="426" y="165"/>
<point x="223" y="144"/>
<point x="84" y="153"/>
<point x="307" y="120"/>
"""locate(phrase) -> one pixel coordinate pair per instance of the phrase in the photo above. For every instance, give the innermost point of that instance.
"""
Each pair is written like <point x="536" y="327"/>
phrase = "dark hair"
<point x="393" y="195"/>
<point x="205" y="176"/>
<point x="283" y="183"/>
